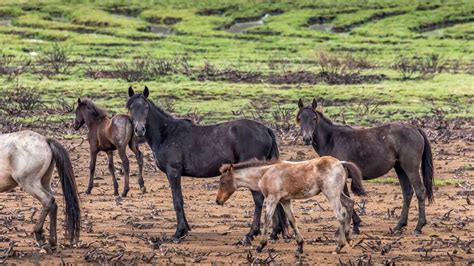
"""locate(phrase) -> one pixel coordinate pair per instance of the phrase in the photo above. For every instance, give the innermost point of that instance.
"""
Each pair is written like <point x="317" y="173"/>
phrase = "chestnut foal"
<point x="282" y="181"/>
<point x="107" y="135"/>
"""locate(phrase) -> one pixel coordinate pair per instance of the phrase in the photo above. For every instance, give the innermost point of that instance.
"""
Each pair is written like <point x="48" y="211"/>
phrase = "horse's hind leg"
<point x="407" y="192"/>
<point x="348" y="204"/>
<point x="139" y="155"/>
<point x="291" y="218"/>
<point x="270" y="206"/>
<point x="110" y="160"/>
<point x="355" y="218"/>
<point x="342" y="216"/>
<point x="36" y="189"/>
<point x="420" y="192"/>
<point x="126" y="170"/>
<point x="53" y="211"/>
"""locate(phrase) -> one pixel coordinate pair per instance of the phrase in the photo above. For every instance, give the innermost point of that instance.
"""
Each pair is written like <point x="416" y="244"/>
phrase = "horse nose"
<point x="307" y="140"/>
<point x="140" y="131"/>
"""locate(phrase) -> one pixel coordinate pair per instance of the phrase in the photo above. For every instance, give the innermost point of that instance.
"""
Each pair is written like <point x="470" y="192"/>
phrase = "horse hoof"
<point x="124" y="194"/>
<point x="88" y="192"/>
<point x="351" y="243"/>
<point x="259" y="249"/>
<point x="247" y="241"/>
<point x="355" y="231"/>
<point x="418" y="232"/>
<point x="143" y="190"/>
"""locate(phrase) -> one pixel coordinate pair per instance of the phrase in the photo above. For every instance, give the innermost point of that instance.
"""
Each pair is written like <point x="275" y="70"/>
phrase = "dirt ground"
<point x="136" y="229"/>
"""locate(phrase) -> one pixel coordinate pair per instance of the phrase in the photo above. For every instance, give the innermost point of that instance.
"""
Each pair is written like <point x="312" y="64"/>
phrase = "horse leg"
<point x="53" y="211"/>
<point x="420" y="192"/>
<point x="110" y="159"/>
<point x="182" y="228"/>
<point x="139" y="155"/>
<point x="47" y="201"/>
<point x="126" y="170"/>
<point x="355" y="218"/>
<point x="407" y="192"/>
<point x="92" y="170"/>
<point x="270" y="206"/>
<point x="342" y="217"/>
<point x="291" y="218"/>
<point x="348" y="204"/>
<point x="255" y="227"/>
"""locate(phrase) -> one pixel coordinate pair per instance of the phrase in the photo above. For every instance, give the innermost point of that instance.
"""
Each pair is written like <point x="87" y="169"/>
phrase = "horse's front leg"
<point x="182" y="228"/>
<point x="92" y="162"/>
<point x="270" y="206"/>
<point x="255" y="227"/>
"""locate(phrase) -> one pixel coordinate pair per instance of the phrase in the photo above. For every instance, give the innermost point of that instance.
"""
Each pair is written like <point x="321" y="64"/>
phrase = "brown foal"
<point x="282" y="181"/>
<point x="107" y="135"/>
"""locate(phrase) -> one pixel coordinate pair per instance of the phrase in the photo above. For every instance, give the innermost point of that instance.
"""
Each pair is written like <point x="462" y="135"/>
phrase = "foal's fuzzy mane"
<point x="98" y="112"/>
<point x="247" y="164"/>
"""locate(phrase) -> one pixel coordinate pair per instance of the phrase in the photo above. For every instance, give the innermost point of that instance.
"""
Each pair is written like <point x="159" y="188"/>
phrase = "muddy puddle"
<point x="241" y="27"/>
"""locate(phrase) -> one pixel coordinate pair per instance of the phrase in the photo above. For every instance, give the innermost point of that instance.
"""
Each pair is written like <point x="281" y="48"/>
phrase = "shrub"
<point x="426" y="66"/>
<point x="57" y="60"/>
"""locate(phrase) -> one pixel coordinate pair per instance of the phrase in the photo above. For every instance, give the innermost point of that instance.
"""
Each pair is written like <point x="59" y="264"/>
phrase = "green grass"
<point x="101" y="38"/>
<point x="437" y="182"/>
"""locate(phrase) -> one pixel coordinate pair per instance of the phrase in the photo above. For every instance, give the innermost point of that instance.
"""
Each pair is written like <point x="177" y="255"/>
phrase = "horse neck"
<point x="157" y="123"/>
<point x="249" y="177"/>
<point x="92" y="121"/>
<point x="324" y="134"/>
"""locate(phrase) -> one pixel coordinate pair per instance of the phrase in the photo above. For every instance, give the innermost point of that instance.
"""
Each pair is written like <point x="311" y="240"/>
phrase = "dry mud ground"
<point x="137" y="229"/>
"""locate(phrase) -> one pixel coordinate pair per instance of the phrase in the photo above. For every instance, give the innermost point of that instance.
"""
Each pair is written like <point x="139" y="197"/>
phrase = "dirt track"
<point x="137" y="228"/>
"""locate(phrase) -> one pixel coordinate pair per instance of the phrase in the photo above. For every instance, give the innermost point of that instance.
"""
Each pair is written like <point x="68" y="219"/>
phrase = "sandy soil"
<point x="137" y="228"/>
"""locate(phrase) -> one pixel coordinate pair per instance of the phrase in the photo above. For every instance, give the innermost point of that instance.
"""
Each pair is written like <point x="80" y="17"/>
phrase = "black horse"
<point x="376" y="150"/>
<point x="182" y="148"/>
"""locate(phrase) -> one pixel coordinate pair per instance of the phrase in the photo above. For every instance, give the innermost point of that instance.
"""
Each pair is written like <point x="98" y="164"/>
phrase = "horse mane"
<point x="247" y="164"/>
<point x="98" y="112"/>
<point x="155" y="108"/>
<point x="328" y="121"/>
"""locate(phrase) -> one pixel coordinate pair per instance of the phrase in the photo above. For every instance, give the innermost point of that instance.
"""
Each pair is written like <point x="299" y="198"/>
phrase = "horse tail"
<point x="427" y="167"/>
<point x="355" y="174"/>
<point x="274" y="153"/>
<point x="68" y="184"/>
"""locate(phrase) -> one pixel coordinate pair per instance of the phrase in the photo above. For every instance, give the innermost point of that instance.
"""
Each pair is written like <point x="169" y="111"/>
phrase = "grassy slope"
<point x="284" y="36"/>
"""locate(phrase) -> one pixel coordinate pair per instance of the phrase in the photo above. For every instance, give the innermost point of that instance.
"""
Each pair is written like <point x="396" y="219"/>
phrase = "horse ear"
<point x="300" y="103"/>
<point x="314" y="104"/>
<point x="130" y="91"/>
<point x="79" y="101"/>
<point x="146" y="92"/>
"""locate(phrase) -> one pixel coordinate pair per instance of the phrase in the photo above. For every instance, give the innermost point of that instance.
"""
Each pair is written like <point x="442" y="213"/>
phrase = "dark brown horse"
<point x="107" y="135"/>
<point x="376" y="150"/>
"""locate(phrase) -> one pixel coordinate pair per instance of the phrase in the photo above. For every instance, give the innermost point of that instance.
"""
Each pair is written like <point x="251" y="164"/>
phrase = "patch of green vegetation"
<point x="102" y="34"/>
<point x="437" y="182"/>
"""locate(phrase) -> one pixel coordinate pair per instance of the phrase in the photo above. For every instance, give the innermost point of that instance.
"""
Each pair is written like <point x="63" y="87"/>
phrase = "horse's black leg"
<point x="407" y="192"/>
<point x="420" y="192"/>
<point x="110" y="161"/>
<point x="174" y="179"/>
<point x="53" y="217"/>
<point x="92" y="171"/>
<point x="355" y="218"/>
<point x="255" y="227"/>
<point x="279" y="222"/>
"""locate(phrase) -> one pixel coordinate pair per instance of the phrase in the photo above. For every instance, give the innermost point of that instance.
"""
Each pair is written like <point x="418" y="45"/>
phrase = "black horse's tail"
<point x="274" y="153"/>
<point x="279" y="218"/>
<point x="427" y="167"/>
<point x="68" y="184"/>
<point x="355" y="174"/>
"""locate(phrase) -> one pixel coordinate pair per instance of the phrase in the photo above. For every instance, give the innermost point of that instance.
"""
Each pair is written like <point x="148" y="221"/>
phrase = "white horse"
<point x="27" y="159"/>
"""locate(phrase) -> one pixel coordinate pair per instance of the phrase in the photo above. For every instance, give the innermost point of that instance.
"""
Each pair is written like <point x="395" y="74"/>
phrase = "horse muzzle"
<point x="307" y="140"/>
<point x="140" y="131"/>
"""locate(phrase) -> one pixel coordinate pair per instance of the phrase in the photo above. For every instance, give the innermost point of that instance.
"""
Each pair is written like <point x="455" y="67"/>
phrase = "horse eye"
<point x="314" y="118"/>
